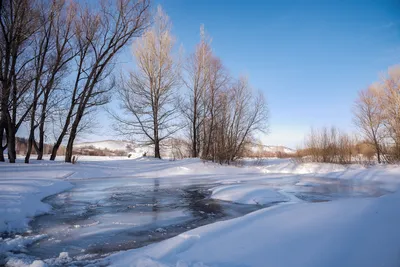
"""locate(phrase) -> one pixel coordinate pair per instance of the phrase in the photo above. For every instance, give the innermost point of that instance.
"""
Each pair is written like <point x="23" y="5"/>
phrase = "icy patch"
<point x="248" y="194"/>
<point x="20" y="198"/>
<point x="304" y="168"/>
<point x="18" y="243"/>
<point x="25" y="262"/>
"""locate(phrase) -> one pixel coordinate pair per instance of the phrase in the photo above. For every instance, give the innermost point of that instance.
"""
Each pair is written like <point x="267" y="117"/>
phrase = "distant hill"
<point x="275" y="149"/>
<point x="104" y="148"/>
<point x="171" y="149"/>
<point x="112" y="145"/>
<point x="174" y="148"/>
<point x="270" y="151"/>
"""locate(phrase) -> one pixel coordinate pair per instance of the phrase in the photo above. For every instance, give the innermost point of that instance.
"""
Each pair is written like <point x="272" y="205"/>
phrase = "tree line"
<point x="377" y="118"/>
<point x="377" y="115"/>
<point x="57" y="66"/>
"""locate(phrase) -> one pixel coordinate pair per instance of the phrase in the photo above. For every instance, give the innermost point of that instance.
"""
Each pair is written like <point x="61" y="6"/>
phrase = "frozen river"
<point x="100" y="216"/>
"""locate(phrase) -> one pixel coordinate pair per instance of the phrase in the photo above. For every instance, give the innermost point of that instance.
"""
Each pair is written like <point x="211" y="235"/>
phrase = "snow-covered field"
<point x="347" y="231"/>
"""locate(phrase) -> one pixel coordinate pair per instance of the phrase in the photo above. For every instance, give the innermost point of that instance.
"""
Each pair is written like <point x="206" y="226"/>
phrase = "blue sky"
<point x="310" y="58"/>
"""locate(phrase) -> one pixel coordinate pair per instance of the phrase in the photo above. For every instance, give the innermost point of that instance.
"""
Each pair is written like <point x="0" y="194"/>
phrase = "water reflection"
<point x="323" y="189"/>
<point x="154" y="199"/>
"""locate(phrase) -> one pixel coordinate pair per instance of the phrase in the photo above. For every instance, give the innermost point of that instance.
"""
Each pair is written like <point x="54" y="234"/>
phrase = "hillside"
<point x="112" y="145"/>
<point x="175" y="148"/>
<point x="268" y="150"/>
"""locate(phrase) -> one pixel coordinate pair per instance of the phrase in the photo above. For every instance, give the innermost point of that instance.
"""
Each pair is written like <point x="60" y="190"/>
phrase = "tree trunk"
<point x="12" y="155"/>
<point x="56" y="146"/>
<point x="157" y="149"/>
<point x="378" y="152"/>
<point x="68" y="151"/>
<point x="70" y="147"/>
<point x="1" y="142"/>
<point x="71" y="139"/>
<point x="10" y="133"/>
<point x="40" y="149"/>
<point x="32" y="130"/>
<point x="30" y="145"/>
<point x="194" y="141"/>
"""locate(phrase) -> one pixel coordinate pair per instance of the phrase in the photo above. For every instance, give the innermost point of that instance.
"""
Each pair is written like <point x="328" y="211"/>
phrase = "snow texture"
<point x="247" y="194"/>
<point x="345" y="232"/>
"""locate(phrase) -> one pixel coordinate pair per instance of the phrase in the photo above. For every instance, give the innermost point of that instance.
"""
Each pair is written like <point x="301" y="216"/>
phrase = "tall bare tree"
<point x="239" y="115"/>
<point x="52" y="54"/>
<point x="149" y="94"/>
<point x="369" y="117"/>
<point x="58" y="64"/>
<point x="99" y="35"/>
<point x="217" y="81"/>
<point x="196" y="78"/>
<point x="18" y="24"/>
<point x="249" y="114"/>
<point x="391" y="107"/>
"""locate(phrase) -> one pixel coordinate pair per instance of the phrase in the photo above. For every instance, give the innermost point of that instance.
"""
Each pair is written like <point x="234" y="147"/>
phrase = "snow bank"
<point x="21" y="192"/>
<point x="348" y="232"/>
<point x="247" y="194"/>
<point x="22" y="260"/>
<point x="352" y="232"/>
<point x="288" y="166"/>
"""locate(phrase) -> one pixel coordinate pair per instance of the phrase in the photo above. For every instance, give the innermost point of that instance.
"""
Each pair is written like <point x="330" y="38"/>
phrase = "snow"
<point x="21" y="192"/>
<point x="17" y="262"/>
<point x="361" y="231"/>
<point x="289" y="166"/>
<point x="18" y="243"/>
<point x="352" y="232"/>
<point x="247" y="194"/>
<point x="348" y="232"/>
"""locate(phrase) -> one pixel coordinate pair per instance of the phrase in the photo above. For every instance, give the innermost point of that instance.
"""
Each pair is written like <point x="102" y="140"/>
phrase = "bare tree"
<point x="3" y="137"/>
<point x="391" y="107"/>
<point x="194" y="104"/>
<point x="217" y="81"/>
<point x="18" y="24"/>
<point x="369" y="117"/>
<point x="249" y="114"/>
<point x="240" y="114"/>
<point x="58" y="63"/>
<point x="99" y="35"/>
<point x="149" y="94"/>
<point x="52" y="54"/>
<point x="329" y="145"/>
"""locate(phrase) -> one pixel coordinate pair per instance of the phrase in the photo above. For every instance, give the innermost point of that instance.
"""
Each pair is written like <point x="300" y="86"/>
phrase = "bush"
<point x="329" y="146"/>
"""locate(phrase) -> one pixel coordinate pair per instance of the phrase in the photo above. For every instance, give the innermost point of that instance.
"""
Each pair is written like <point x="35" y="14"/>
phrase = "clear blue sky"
<point x="309" y="57"/>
